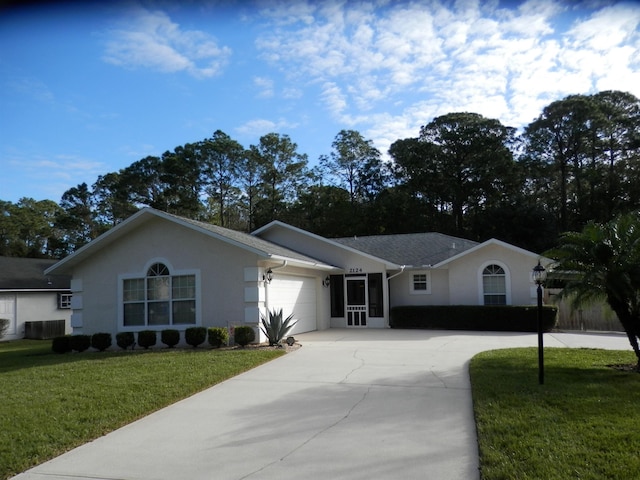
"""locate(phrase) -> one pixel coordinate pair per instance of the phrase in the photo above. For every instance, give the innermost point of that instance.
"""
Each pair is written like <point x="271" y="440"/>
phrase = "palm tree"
<point x="603" y="262"/>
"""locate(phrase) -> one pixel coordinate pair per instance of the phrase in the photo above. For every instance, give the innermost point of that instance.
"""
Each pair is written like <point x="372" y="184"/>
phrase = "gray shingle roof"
<point x="28" y="274"/>
<point x="412" y="249"/>
<point x="251" y="241"/>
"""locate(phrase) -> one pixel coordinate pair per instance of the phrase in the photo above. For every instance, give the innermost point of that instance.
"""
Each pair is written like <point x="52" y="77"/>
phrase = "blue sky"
<point x="87" y="89"/>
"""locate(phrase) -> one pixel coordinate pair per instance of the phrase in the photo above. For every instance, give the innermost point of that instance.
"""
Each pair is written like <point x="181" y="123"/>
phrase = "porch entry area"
<point x="356" y="302"/>
<point x="357" y="298"/>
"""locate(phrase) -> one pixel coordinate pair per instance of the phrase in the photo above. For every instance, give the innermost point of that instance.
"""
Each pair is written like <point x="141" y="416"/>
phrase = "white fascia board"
<point x="305" y="264"/>
<point x="276" y="223"/>
<point x="83" y="251"/>
<point x="123" y="226"/>
<point x="34" y="290"/>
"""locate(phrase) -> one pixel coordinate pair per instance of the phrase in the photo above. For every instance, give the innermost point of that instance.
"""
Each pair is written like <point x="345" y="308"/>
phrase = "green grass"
<point x="51" y="403"/>
<point x="583" y="423"/>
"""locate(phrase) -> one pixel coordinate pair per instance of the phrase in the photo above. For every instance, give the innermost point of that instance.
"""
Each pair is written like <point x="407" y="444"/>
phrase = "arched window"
<point x="159" y="298"/>
<point x="494" y="285"/>
<point x="157" y="270"/>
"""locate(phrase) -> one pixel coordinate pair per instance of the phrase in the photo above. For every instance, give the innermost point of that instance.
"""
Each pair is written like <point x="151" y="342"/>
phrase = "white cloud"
<point x="152" y="40"/>
<point x="286" y="13"/>
<point x="291" y="93"/>
<point x="257" y="127"/>
<point x="265" y="86"/>
<point x="334" y="98"/>
<point x="389" y="69"/>
<point x="32" y="87"/>
<point x="50" y="175"/>
<point x="607" y="28"/>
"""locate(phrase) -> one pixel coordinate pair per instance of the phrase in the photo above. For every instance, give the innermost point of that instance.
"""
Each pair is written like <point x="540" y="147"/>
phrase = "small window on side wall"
<point x="64" y="301"/>
<point x="421" y="283"/>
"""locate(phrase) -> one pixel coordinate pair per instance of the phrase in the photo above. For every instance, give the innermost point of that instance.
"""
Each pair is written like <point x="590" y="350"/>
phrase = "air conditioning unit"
<point x="44" y="329"/>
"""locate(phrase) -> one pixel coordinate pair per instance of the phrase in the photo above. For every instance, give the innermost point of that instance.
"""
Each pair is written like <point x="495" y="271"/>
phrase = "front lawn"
<point x="583" y="423"/>
<point x="51" y="403"/>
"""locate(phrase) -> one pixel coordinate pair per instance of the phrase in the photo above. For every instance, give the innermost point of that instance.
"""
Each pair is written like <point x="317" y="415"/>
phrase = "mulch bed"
<point x="266" y="346"/>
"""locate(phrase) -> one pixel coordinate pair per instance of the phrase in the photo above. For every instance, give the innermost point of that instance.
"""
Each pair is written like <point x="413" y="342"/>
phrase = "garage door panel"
<point x="8" y="311"/>
<point x="295" y="295"/>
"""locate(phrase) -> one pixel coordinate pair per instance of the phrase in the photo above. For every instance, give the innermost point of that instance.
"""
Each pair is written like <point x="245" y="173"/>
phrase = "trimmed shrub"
<point x="101" y="341"/>
<point x="147" y="338"/>
<point x="170" y="337"/>
<point x="195" y="336"/>
<point x="4" y="325"/>
<point x="218" y="336"/>
<point x="80" y="343"/>
<point x="474" y="317"/>
<point x="61" y="344"/>
<point x="125" y="340"/>
<point x="244" y="335"/>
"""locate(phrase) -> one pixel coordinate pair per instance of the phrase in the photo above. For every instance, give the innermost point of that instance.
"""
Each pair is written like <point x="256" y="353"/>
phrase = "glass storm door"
<point x="356" y="302"/>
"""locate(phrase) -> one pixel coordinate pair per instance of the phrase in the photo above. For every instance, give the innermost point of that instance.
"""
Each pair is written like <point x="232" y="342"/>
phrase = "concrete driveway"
<point x="349" y="404"/>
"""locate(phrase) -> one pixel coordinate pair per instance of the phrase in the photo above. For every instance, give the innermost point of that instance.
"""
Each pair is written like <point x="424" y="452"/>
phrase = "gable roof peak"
<point x="257" y="245"/>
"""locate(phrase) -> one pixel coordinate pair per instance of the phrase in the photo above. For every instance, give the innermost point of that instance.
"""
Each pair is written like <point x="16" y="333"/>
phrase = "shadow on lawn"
<point x="38" y="353"/>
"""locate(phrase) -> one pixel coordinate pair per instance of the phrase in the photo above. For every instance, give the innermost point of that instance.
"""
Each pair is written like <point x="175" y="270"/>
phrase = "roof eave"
<point x="84" y="251"/>
<point x="491" y="241"/>
<point x="113" y="233"/>
<point x="303" y="263"/>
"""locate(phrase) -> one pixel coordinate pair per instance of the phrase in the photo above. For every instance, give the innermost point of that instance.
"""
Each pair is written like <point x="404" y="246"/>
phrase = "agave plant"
<point x="275" y="328"/>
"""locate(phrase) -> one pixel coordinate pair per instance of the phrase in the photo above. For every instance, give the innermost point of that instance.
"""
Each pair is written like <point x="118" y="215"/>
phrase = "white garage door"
<point x="295" y="295"/>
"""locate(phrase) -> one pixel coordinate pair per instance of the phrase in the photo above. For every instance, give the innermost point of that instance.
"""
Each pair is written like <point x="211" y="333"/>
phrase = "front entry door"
<point x="356" y="302"/>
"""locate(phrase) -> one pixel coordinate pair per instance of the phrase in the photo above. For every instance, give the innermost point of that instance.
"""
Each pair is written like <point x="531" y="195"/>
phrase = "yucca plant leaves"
<point x="274" y="327"/>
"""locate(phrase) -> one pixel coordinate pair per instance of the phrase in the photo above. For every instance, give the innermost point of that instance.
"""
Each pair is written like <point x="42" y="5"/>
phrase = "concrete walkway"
<point x="349" y="404"/>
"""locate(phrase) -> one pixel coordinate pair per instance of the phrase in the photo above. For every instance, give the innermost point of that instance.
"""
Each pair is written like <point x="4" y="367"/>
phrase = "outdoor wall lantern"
<point x="326" y="282"/>
<point x="539" y="276"/>
<point x="268" y="276"/>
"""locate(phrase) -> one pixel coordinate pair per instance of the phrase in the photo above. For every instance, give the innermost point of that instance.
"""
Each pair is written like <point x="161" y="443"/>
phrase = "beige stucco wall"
<point x="220" y="266"/>
<point x="401" y="293"/>
<point x="465" y="275"/>
<point x="460" y="281"/>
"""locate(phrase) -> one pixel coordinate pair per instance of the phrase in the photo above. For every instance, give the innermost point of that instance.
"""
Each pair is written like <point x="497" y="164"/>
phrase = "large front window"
<point x="159" y="298"/>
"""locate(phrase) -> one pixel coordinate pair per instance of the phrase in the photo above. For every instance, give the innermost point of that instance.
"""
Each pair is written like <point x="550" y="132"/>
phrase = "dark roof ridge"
<point x="388" y="235"/>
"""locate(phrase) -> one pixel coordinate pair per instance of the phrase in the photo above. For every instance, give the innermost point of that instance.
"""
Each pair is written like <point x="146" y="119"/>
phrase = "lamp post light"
<point x="539" y="276"/>
<point x="268" y="276"/>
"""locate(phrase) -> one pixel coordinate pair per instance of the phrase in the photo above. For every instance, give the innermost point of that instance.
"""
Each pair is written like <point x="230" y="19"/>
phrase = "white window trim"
<point x="507" y="280"/>
<point x="143" y="274"/>
<point x="412" y="290"/>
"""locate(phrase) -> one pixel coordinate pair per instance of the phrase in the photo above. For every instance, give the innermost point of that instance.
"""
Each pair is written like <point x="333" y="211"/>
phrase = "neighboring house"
<point x="156" y="271"/>
<point x="36" y="305"/>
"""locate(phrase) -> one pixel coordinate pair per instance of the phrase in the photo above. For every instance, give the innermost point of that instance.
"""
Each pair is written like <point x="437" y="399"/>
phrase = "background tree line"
<point x="464" y="174"/>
